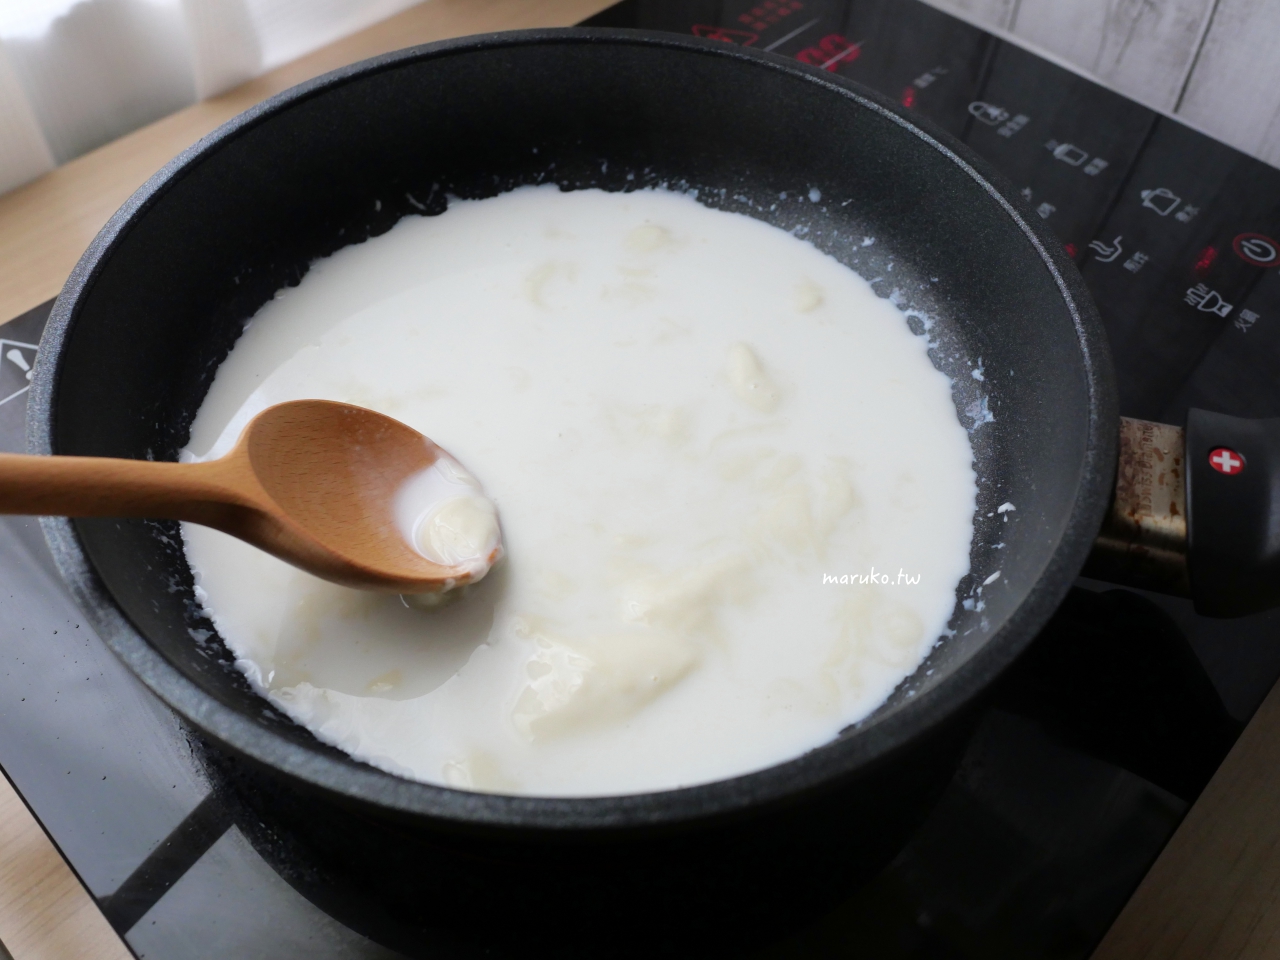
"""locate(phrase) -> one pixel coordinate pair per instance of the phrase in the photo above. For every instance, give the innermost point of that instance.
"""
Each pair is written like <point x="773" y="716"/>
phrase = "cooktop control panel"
<point x="1176" y="234"/>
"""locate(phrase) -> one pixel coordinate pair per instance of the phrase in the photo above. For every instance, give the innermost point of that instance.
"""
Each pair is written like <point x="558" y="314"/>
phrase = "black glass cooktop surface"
<point x="1093" y="747"/>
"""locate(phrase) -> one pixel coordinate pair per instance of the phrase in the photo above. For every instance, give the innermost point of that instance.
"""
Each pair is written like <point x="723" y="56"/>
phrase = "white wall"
<point x="75" y="74"/>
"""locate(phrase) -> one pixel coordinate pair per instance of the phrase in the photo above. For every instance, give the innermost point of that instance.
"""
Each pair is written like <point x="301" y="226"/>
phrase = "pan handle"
<point x="1233" y="535"/>
<point x="1196" y="513"/>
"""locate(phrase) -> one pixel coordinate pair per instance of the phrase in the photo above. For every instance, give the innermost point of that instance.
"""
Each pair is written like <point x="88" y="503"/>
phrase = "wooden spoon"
<point x="312" y="482"/>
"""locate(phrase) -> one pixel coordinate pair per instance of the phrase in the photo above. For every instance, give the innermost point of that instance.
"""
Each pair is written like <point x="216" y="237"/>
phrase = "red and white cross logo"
<point x="1226" y="461"/>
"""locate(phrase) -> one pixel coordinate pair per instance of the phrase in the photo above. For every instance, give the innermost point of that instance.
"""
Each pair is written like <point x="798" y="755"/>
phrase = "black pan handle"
<point x="1233" y="533"/>
<point x="1196" y="513"/>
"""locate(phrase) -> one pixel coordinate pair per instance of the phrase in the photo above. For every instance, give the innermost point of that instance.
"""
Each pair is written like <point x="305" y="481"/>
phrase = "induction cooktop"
<point x="1091" y="749"/>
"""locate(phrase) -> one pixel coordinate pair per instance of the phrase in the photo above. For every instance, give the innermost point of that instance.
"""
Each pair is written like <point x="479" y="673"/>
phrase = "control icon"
<point x="1257" y="250"/>
<point x="1096" y="166"/>
<point x="988" y="113"/>
<point x="1067" y="152"/>
<point x="1045" y="210"/>
<point x="1225" y="460"/>
<point x="1162" y="200"/>
<point x="1106" y="252"/>
<point x="1207" y="301"/>
<point x="16" y="360"/>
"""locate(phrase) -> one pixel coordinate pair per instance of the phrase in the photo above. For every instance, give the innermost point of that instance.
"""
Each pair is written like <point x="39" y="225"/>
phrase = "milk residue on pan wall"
<point x="735" y="495"/>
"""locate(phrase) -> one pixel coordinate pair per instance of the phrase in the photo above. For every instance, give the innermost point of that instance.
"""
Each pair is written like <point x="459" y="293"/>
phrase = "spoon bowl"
<point x="312" y="482"/>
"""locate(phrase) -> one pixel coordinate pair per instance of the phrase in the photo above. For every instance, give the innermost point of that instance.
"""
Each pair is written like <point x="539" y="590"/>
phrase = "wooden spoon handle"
<point x="108" y="487"/>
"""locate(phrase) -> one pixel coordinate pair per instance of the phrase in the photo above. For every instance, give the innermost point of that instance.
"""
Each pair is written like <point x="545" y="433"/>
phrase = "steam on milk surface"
<point x="685" y="418"/>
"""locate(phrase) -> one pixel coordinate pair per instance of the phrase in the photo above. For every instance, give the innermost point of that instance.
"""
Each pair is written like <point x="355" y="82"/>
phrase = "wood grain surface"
<point x="1210" y="63"/>
<point x="1144" y="48"/>
<point x="1234" y="88"/>
<point x="1214" y="892"/>
<point x="999" y="14"/>
<point x="45" y="913"/>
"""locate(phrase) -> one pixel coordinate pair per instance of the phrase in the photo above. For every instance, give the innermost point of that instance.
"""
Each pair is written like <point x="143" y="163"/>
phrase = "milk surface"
<point x="703" y="437"/>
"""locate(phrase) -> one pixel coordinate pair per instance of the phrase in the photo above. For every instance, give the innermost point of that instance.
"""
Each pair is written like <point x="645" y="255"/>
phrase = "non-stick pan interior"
<point x="165" y="291"/>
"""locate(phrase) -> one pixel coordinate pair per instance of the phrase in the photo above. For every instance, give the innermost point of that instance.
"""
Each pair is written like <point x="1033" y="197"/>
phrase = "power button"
<point x="1257" y="249"/>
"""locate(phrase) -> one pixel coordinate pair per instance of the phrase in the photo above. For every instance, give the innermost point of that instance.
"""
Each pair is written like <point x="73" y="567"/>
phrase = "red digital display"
<point x="741" y="37"/>
<point x="761" y="16"/>
<point x="909" y="97"/>
<point x="830" y="52"/>
<point x="1207" y="256"/>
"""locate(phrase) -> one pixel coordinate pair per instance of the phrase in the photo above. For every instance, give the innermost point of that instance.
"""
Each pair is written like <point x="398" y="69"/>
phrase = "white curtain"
<point x="75" y="75"/>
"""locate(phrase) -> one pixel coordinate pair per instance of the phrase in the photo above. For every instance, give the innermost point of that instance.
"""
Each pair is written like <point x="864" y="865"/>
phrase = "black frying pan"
<point x="163" y="292"/>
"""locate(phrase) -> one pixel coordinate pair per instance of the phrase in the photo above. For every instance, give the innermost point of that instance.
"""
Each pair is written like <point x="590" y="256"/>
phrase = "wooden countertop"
<point x="1214" y="891"/>
<point x="1213" y="894"/>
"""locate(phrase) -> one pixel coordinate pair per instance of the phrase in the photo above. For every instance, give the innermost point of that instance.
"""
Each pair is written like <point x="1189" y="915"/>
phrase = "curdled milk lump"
<point x="443" y="513"/>
<point x="693" y="427"/>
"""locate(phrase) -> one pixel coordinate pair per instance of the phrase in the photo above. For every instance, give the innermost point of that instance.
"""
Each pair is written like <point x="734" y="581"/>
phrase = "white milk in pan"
<point x="690" y="422"/>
